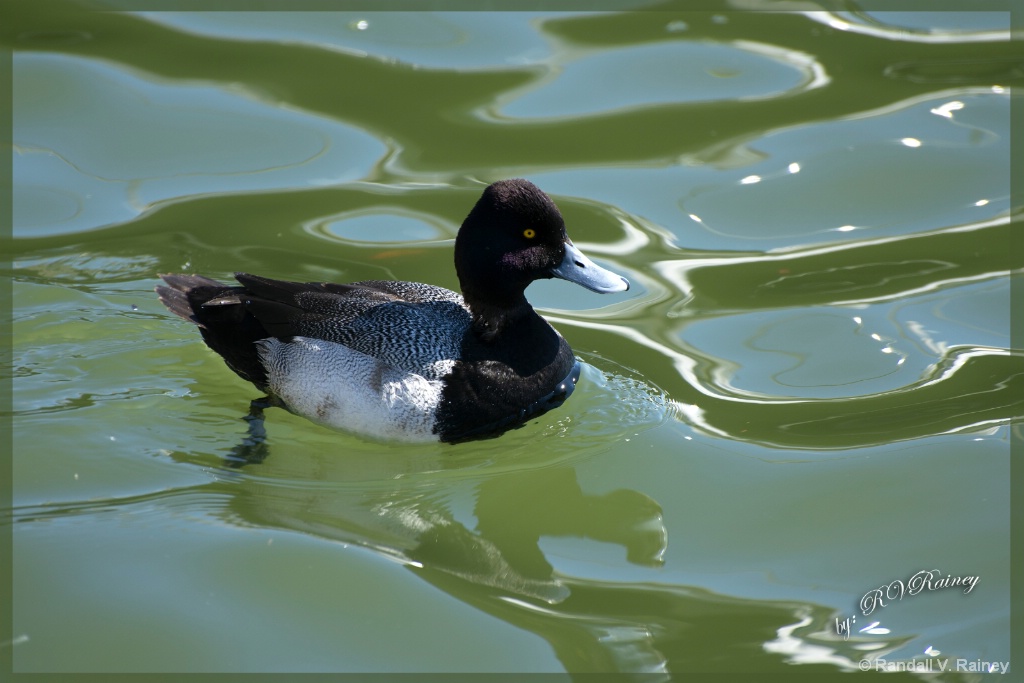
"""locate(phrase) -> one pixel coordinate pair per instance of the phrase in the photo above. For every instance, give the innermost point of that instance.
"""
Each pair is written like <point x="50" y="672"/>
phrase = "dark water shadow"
<point x="498" y="566"/>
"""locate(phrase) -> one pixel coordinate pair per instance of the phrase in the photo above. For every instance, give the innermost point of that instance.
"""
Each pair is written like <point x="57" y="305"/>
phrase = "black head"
<point x="513" y="236"/>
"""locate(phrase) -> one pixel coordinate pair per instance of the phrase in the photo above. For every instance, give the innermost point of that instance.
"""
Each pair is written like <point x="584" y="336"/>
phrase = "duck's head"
<point x="513" y="236"/>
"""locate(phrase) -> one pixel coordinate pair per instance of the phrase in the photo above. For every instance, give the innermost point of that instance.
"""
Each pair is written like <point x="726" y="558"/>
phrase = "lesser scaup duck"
<point x="403" y="360"/>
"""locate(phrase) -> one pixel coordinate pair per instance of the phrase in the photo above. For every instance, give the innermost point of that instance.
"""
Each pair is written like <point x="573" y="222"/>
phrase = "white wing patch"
<point x="339" y="387"/>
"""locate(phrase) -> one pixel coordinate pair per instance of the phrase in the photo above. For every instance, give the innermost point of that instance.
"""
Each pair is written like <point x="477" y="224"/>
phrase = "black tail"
<point x="227" y="327"/>
<point x="177" y="297"/>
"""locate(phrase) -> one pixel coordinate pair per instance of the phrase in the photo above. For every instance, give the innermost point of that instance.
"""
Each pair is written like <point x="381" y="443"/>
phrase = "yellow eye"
<point x="529" y="233"/>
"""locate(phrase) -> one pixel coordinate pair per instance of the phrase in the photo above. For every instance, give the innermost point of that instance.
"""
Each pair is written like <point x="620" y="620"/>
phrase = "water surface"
<point x="805" y="395"/>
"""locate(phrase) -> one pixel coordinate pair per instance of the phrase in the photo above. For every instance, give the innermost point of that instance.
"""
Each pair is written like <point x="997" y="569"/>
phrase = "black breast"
<point x="500" y="384"/>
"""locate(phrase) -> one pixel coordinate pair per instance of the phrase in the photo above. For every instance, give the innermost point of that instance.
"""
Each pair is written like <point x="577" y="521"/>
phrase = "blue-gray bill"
<point x="576" y="267"/>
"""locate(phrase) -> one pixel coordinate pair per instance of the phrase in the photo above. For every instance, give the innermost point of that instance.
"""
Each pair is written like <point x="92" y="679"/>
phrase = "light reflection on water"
<point x="815" y="349"/>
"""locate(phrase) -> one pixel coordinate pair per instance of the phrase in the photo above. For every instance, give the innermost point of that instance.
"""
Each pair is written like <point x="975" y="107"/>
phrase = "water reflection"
<point x="489" y="546"/>
<point x="487" y="550"/>
<point x="757" y="334"/>
<point x="865" y="216"/>
<point x="170" y="140"/>
<point x="426" y="39"/>
<point x="667" y="72"/>
<point x="920" y="27"/>
<point x="496" y="564"/>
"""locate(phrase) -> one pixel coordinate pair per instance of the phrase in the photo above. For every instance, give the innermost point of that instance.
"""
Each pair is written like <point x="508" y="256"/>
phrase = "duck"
<point x="405" y="361"/>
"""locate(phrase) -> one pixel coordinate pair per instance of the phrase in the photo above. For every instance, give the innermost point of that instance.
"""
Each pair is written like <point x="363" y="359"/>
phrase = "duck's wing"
<point x="405" y="325"/>
<point x="316" y="309"/>
<point x="346" y="314"/>
<point x="408" y="327"/>
<point x="413" y="292"/>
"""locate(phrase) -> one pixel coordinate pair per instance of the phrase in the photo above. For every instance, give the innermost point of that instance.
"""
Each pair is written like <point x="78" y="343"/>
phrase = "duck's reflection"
<point x="504" y="552"/>
<point x="481" y="544"/>
<point x="496" y="564"/>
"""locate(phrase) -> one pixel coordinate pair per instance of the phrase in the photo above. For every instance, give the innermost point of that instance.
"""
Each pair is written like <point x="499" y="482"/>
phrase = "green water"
<point x="806" y="394"/>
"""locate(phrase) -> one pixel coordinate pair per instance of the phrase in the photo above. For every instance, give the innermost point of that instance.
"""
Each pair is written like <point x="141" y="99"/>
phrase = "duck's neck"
<point x="490" y="322"/>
